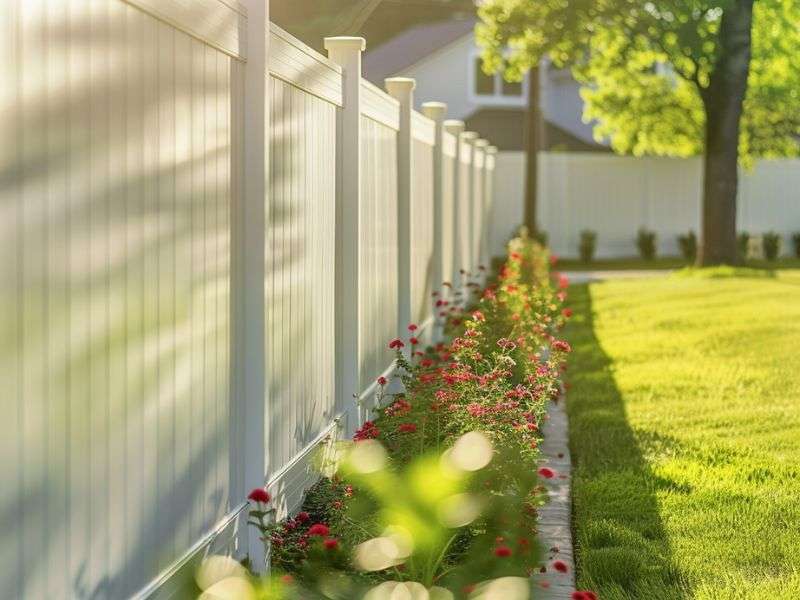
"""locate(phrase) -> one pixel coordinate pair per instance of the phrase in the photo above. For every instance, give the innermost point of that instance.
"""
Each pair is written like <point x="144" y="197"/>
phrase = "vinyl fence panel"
<point x="115" y="304"/>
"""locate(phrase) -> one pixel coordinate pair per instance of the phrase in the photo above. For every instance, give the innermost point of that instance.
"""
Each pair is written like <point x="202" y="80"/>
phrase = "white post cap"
<point x="470" y="137"/>
<point x="434" y="110"/>
<point x="481" y="143"/>
<point x="454" y="126"/>
<point x="491" y="150"/>
<point x="344" y="43"/>
<point x="399" y="86"/>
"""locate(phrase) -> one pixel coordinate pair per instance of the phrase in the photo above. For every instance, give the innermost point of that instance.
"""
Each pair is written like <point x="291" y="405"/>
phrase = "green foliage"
<point x="646" y="66"/>
<point x="683" y="425"/>
<point x="771" y="245"/>
<point x="646" y="243"/>
<point x="688" y="245"/>
<point x="440" y="488"/>
<point x="588" y="245"/>
<point x="743" y="244"/>
<point x="796" y="244"/>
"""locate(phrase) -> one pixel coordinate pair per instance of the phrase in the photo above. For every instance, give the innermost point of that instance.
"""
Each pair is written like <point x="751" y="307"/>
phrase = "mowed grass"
<point x="684" y="407"/>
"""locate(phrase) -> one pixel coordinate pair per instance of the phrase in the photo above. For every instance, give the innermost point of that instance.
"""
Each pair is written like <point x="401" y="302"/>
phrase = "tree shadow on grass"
<point x="622" y="549"/>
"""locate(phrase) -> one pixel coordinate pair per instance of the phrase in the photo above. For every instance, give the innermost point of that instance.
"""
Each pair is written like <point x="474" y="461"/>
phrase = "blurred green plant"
<point x="588" y="245"/>
<point x="646" y="243"/>
<point x="771" y="245"/>
<point x="688" y="245"/>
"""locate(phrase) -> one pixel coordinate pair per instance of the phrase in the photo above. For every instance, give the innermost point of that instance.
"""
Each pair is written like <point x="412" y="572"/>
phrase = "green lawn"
<point x="685" y="429"/>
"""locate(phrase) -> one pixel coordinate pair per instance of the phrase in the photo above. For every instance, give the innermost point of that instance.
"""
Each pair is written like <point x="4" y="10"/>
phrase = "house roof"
<point x="412" y="46"/>
<point x="506" y="128"/>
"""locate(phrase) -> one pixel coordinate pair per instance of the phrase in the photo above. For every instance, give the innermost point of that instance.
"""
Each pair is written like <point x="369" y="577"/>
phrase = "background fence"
<point x="616" y="195"/>
<point x="209" y="234"/>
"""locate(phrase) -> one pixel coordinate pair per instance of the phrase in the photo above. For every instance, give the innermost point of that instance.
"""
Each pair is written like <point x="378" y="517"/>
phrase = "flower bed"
<point x="438" y="493"/>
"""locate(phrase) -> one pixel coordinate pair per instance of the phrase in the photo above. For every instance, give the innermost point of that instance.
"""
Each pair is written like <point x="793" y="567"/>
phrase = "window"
<point x="493" y="89"/>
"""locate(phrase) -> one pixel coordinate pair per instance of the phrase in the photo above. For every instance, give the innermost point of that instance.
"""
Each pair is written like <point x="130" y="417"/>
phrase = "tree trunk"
<point x="533" y="134"/>
<point x="723" y="101"/>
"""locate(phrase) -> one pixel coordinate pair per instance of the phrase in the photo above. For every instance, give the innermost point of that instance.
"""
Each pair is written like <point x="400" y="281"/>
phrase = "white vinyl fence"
<point x="616" y="195"/>
<point x="210" y="232"/>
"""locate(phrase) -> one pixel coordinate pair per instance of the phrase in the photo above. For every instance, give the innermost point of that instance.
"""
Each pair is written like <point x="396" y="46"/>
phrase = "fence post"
<point x="469" y="138"/>
<point x="346" y="52"/>
<point x="402" y="90"/>
<point x="456" y="128"/>
<point x="436" y="112"/>
<point x="248" y="222"/>
<point x="479" y="211"/>
<point x="491" y="154"/>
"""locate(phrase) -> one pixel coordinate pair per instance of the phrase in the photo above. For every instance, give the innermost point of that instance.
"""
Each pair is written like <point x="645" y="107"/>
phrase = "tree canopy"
<point x="646" y="66"/>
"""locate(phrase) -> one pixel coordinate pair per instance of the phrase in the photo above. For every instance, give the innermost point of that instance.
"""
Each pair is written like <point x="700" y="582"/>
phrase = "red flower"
<point x="331" y="543"/>
<point x="396" y="344"/>
<point x="547" y="473"/>
<point x="412" y="327"/>
<point x="584" y="595"/>
<point x="563" y="282"/>
<point x="567" y="312"/>
<point x="381" y="380"/>
<point x="303" y="517"/>
<point x="502" y="551"/>
<point x="287" y="579"/>
<point x="562" y="346"/>
<point x="259" y="495"/>
<point x="553" y="259"/>
<point x="560" y="566"/>
<point x="414" y="341"/>
<point x="319" y="529"/>
<point x="407" y="428"/>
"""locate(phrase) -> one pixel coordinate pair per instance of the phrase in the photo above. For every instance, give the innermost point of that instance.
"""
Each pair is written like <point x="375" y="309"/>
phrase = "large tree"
<point x="670" y="77"/>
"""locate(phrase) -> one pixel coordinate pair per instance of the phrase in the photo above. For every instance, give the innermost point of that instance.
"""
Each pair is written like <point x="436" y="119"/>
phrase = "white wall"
<point x="615" y="195"/>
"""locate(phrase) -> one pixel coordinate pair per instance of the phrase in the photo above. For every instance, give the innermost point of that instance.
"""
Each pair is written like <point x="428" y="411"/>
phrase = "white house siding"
<point x="446" y="74"/>
<point x="114" y="253"/>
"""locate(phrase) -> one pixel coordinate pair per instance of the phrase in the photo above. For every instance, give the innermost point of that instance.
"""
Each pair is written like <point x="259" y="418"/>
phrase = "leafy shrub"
<point x="459" y="524"/>
<point x="743" y="244"/>
<point x="796" y="244"/>
<point x="646" y="243"/>
<point x="588" y="245"/>
<point x="688" y="245"/>
<point x="771" y="244"/>
<point x="539" y="236"/>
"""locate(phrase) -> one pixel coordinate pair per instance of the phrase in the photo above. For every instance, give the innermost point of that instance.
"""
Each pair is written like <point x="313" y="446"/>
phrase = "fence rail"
<point x="210" y="231"/>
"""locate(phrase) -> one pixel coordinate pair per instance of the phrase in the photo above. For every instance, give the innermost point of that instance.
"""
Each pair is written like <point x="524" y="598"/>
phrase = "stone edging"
<point x="555" y="518"/>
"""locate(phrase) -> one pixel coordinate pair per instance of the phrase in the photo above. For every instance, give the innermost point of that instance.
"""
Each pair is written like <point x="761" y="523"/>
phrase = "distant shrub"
<point x="588" y="245"/>
<point x="743" y="242"/>
<point x="688" y="245"/>
<point x="540" y="237"/>
<point x="796" y="244"/>
<point x="646" y="242"/>
<point x="771" y="245"/>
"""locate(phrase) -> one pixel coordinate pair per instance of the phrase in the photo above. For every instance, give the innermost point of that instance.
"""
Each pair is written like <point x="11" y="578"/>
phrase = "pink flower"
<point x="546" y="472"/>
<point x="560" y="566"/>
<point x="563" y="282"/>
<point x="396" y="344"/>
<point x="319" y="529"/>
<point x="502" y="551"/>
<point x="331" y="543"/>
<point x="381" y="380"/>
<point x="567" y="312"/>
<point x="303" y="517"/>
<point x="412" y="327"/>
<point x="414" y="341"/>
<point x="407" y="428"/>
<point x="259" y="495"/>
